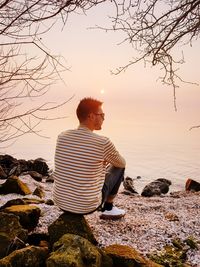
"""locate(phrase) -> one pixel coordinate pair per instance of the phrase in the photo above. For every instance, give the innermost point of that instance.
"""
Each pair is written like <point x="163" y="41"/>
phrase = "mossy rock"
<point x="12" y="236"/>
<point x="14" y="185"/>
<point x="126" y="256"/>
<point x="175" y="255"/>
<point x="191" y="242"/>
<point x="28" y="215"/>
<point x="73" y="250"/>
<point x="30" y="256"/>
<point x="69" y="223"/>
<point x="21" y="201"/>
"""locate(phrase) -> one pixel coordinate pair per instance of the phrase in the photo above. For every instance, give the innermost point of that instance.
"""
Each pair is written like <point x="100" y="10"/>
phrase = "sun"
<point x="102" y="91"/>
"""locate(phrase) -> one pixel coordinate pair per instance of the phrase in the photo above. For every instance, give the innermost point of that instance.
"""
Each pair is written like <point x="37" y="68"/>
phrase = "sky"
<point x="137" y="106"/>
<point x="93" y="53"/>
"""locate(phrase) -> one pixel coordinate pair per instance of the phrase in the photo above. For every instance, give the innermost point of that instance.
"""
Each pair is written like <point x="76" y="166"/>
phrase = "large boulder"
<point x="73" y="250"/>
<point x="14" y="185"/>
<point x="70" y="223"/>
<point x="156" y="188"/>
<point x="12" y="235"/>
<point x="192" y="185"/>
<point x="30" y="256"/>
<point x="128" y="257"/>
<point x="28" y="215"/>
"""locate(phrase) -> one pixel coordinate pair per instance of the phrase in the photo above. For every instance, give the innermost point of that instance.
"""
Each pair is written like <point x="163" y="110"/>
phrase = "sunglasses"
<point x="100" y="114"/>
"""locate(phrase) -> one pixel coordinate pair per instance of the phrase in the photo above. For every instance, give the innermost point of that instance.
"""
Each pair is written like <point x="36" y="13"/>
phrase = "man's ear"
<point x="91" y="116"/>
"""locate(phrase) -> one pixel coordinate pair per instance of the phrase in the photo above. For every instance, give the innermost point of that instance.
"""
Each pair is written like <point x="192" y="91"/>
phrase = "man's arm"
<point x="112" y="156"/>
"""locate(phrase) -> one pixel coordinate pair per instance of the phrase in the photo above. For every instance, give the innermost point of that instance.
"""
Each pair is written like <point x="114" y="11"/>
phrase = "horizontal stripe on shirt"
<point x="80" y="161"/>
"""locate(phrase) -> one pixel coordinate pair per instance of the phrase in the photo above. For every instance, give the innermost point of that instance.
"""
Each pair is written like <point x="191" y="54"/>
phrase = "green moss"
<point x="73" y="250"/>
<point x="175" y="255"/>
<point x="193" y="244"/>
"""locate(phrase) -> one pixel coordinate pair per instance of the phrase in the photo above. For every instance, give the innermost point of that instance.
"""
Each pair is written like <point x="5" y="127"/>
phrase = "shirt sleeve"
<point x="112" y="156"/>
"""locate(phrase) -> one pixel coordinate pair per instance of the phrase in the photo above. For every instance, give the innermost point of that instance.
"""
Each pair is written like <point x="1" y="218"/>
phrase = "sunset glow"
<point x="139" y="113"/>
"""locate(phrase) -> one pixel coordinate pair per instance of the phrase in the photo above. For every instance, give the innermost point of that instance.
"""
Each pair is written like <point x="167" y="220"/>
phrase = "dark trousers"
<point x="113" y="178"/>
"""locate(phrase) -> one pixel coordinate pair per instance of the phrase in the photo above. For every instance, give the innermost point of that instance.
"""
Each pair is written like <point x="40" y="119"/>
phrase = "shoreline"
<point x="149" y="224"/>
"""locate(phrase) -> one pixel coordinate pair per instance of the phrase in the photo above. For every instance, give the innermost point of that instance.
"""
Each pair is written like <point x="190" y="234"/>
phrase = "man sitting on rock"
<point x="88" y="168"/>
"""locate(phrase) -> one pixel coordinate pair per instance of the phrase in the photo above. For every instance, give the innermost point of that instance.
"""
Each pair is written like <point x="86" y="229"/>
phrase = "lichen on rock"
<point x="74" y="250"/>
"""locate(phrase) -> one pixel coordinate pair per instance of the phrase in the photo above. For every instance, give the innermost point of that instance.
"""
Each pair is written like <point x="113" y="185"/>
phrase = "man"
<point x="88" y="168"/>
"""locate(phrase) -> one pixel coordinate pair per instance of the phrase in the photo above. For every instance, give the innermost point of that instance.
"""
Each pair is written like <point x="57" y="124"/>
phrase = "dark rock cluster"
<point x="9" y="165"/>
<point x="157" y="187"/>
<point x="70" y="240"/>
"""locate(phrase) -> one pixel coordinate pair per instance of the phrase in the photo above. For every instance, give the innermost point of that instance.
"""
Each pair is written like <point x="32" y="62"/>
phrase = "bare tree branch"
<point x="194" y="127"/>
<point x="25" y="76"/>
<point x="155" y="28"/>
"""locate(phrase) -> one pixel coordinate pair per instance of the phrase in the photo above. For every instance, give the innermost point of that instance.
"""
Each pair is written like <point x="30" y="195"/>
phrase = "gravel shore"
<point x="149" y="224"/>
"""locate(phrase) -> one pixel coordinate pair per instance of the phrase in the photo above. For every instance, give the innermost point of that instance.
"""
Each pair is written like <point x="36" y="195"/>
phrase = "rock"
<point x="21" y="201"/>
<point x="12" y="235"/>
<point x="50" y="179"/>
<point x="14" y="185"/>
<point x="128" y="257"/>
<point x="49" y="202"/>
<point x="171" y="217"/>
<point x="74" y="250"/>
<point x="174" y="254"/>
<point x="33" y="201"/>
<point x="39" y="165"/>
<point x="38" y="239"/>
<point x="156" y="188"/>
<point x="3" y="175"/>
<point x="14" y="171"/>
<point x="17" y="201"/>
<point x="30" y="256"/>
<point x="192" y="243"/>
<point x="12" y="166"/>
<point x="35" y="175"/>
<point x="192" y="185"/>
<point x="70" y="223"/>
<point x="128" y="185"/>
<point x="28" y="215"/>
<point x="8" y="163"/>
<point x="24" y="167"/>
<point x="39" y="192"/>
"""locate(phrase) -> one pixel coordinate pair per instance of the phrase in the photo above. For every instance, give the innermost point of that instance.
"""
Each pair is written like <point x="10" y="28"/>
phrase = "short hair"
<point x="86" y="106"/>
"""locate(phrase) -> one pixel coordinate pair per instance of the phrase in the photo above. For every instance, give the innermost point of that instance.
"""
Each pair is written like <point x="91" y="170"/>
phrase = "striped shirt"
<point x="80" y="163"/>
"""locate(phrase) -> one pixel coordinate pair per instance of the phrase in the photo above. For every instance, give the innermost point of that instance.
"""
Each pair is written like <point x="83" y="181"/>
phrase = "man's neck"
<point x="87" y="126"/>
